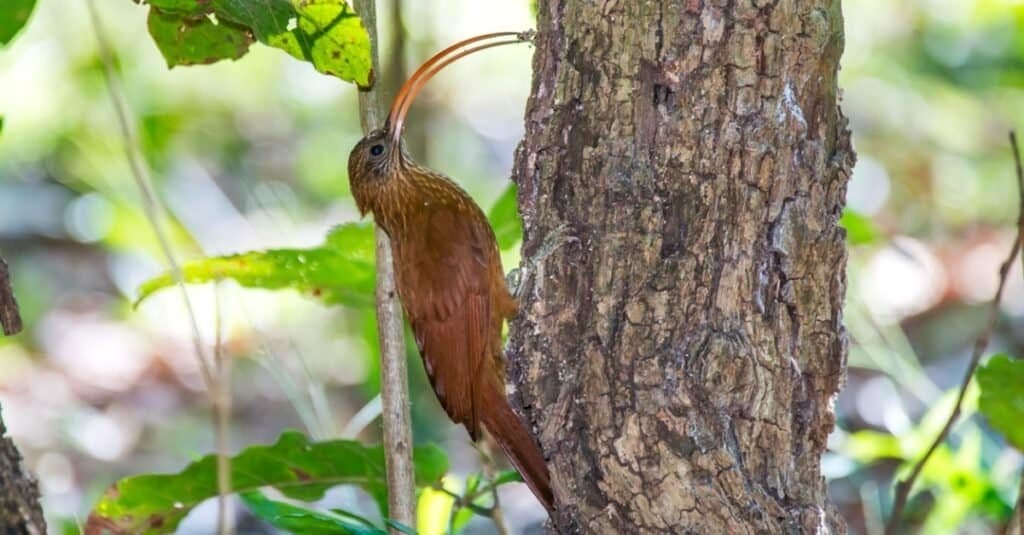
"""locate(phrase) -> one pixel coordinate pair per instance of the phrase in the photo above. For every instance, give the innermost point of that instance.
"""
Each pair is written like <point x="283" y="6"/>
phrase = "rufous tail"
<point x="517" y="443"/>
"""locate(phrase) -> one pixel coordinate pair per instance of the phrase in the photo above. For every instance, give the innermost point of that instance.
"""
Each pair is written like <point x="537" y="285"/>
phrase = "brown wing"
<point x="447" y="300"/>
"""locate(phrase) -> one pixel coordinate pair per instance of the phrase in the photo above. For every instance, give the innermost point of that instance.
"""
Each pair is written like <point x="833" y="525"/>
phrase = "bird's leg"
<point x="521" y="277"/>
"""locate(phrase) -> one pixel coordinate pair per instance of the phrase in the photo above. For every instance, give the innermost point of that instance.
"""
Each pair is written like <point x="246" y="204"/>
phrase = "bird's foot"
<point x="521" y="277"/>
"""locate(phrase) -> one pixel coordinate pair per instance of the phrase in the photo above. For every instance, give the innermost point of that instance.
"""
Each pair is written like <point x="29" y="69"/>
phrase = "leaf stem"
<point x="221" y="422"/>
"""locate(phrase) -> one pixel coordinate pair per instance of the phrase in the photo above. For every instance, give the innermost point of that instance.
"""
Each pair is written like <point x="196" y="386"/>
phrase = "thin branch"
<point x="222" y="421"/>
<point x="461" y="502"/>
<point x="1016" y="522"/>
<point x="154" y="214"/>
<point x="10" y="319"/>
<point x="904" y="487"/>
<point x="140" y="174"/>
<point x="1020" y="507"/>
<point x="491" y="471"/>
<point x="394" y="377"/>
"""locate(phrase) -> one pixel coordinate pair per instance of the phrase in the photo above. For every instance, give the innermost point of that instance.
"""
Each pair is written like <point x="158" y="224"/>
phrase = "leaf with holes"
<point x="327" y="33"/>
<point x="156" y="503"/>
<point x="185" y="40"/>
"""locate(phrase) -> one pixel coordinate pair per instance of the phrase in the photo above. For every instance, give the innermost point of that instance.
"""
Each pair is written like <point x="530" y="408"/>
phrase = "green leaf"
<point x="182" y="7"/>
<point x="327" y="33"/>
<point x="13" y="16"/>
<point x="505" y="477"/>
<point x="331" y="36"/>
<point x="433" y="509"/>
<point x="860" y="230"/>
<point x="400" y="527"/>
<point x="1002" y="396"/>
<point x="156" y="503"/>
<point x="504" y="217"/>
<point x="868" y="446"/>
<point x="339" y="272"/>
<point x="187" y="40"/>
<point x="299" y="520"/>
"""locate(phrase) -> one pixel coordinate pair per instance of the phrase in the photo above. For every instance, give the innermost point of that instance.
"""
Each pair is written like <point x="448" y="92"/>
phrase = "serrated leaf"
<point x="339" y="272"/>
<point x="1002" y="397"/>
<point x="156" y="503"/>
<point x="302" y="521"/>
<point x="504" y="218"/>
<point x="185" y="40"/>
<point x="327" y="33"/>
<point x="13" y="16"/>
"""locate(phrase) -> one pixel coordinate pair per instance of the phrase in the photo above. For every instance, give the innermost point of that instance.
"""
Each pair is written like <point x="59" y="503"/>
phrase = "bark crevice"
<point x="679" y="360"/>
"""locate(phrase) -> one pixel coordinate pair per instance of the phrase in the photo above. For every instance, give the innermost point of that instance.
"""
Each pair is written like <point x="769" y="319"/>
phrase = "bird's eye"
<point x="377" y="149"/>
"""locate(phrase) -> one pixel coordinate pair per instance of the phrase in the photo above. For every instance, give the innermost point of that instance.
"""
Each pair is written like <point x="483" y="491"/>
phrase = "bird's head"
<point x="374" y="161"/>
<point x="379" y="157"/>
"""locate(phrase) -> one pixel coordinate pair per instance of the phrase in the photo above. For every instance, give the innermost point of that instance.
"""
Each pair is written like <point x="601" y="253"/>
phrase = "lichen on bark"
<point x="680" y="360"/>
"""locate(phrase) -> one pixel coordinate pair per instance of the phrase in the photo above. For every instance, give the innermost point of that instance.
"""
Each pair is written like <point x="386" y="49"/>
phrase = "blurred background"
<point x="251" y="154"/>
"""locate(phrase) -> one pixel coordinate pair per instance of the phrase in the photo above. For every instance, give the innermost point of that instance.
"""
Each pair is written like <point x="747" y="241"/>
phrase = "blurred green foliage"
<point x="504" y="218"/>
<point x="860" y="230"/>
<point x="13" y="16"/>
<point x="339" y="272"/>
<point x="298" y="468"/>
<point x="256" y="149"/>
<point x="1002" y="396"/>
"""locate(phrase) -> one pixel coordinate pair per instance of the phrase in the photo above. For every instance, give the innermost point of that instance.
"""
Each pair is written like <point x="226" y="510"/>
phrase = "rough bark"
<point x="20" y="512"/>
<point x="680" y="361"/>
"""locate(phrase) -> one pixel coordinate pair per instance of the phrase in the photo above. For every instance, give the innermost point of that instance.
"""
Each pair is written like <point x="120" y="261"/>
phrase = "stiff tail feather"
<point x="517" y="443"/>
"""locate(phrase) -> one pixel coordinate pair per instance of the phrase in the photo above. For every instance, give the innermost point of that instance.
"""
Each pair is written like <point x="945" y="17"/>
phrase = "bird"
<point x="448" y="273"/>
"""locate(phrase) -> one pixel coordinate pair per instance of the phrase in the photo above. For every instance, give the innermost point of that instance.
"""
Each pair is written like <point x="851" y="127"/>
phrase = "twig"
<point x="1020" y="507"/>
<point x="140" y="173"/>
<point x="1019" y="167"/>
<point x="10" y="319"/>
<point x="222" y="419"/>
<point x="154" y="214"/>
<point x="904" y="487"/>
<point x="489" y="470"/>
<point x="1017" y="516"/>
<point x="460" y="502"/>
<point x="394" y="377"/>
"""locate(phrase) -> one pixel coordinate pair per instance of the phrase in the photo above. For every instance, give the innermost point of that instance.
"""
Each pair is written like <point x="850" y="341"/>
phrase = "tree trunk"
<point x="20" y="512"/>
<point x="680" y="361"/>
